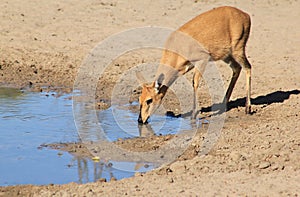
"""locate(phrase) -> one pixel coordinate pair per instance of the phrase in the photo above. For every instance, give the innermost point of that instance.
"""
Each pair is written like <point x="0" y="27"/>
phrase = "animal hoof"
<point x="248" y="110"/>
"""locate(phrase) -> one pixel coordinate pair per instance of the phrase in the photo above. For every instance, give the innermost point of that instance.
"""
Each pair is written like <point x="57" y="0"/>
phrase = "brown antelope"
<point x="223" y="33"/>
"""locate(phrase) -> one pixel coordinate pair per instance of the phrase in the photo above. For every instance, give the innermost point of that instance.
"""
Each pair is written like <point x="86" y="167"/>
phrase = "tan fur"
<point x="223" y="32"/>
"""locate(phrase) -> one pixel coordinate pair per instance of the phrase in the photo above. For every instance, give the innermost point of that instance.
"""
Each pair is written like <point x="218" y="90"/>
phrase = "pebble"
<point x="275" y="167"/>
<point x="96" y="149"/>
<point x="101" y="180"/>
<point x="235" y="156"/>
<point x="138" y="174"/>
<point x="102" y="105"/>
<point x="205" y="169"/>
<point x="264" y="165"/>
<point x="178" y="167"/>
<point x="113" y="179"/>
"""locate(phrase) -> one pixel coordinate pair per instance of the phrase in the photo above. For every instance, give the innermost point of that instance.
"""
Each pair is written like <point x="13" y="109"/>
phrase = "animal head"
<point x="150" y="99"/>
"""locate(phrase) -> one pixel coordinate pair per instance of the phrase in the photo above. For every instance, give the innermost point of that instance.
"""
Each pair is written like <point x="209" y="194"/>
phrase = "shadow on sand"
<point x="274" y="97"/>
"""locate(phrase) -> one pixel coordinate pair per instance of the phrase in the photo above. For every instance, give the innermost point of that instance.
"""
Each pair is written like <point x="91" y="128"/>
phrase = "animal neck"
<point x="166" y="75"/>
<point x="171" y="66"/>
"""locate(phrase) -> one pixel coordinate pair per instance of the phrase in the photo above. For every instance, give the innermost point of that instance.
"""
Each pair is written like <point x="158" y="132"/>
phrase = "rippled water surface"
<point x="29" y="120"/>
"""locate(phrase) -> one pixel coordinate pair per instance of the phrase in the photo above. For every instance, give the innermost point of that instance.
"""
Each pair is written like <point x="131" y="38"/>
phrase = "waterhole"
<point x="29" y="120"/>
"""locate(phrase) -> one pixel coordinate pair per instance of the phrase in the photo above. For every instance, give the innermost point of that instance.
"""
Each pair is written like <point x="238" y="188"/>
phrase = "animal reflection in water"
<point x="98" y="170"/>
<point x="104" y="169"/>
<point x="145" y="130"/>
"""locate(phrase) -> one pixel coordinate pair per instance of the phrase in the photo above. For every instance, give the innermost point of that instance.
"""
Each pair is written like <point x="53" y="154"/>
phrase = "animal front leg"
<point x="196" y="80"/>
<point x="199" y="70"/>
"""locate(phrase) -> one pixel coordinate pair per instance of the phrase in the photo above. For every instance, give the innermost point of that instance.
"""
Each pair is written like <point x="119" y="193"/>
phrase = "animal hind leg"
<point x="242" y="60"/>
<point x="236" y="70"/>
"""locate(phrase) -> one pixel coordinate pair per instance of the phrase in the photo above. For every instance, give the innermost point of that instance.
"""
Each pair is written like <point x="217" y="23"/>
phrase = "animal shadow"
<point x="274" y="97"/>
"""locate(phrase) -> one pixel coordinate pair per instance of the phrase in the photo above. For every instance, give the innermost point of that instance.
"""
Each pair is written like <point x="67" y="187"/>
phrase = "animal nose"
<point x="140" y="120"/>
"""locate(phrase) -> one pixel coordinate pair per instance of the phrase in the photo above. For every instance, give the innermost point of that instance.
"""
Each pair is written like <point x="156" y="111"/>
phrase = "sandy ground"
<point x="42" y="44"/>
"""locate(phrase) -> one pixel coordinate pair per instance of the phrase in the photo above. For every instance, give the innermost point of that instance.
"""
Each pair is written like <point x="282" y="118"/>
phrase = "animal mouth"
<point x="140" y="120"/>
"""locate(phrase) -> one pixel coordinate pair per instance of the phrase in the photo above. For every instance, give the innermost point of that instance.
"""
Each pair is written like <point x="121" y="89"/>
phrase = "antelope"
<point x="223" y="32"/>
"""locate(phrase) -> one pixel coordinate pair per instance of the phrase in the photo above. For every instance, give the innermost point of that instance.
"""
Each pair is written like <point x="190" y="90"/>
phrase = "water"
<point x="28" y="120"/>
<point x="117" y="122"/>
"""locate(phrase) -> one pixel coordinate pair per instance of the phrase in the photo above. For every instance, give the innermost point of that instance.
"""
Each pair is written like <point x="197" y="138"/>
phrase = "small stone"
<point x="205" y="169"/>
<point x="235" y="156"/>
<point x="113" y="178"/>
<point x="102" y="105"/>
<point x="102" y="180"/>
<point x="178" y="167"/>
<point x="97" y="149"/>
<point x="146" y="166"/>
<point x="138" y="174"/>
<point x="275" y="167"/>
<point x="264" y="165"/>
<point x="109" y="164"/>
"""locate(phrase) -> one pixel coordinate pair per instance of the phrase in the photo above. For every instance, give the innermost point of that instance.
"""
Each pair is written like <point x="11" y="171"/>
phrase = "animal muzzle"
<point x="140" y="120"/>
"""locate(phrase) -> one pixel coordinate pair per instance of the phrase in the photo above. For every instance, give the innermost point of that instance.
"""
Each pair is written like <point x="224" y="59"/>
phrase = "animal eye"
<point x="149" y="101"/>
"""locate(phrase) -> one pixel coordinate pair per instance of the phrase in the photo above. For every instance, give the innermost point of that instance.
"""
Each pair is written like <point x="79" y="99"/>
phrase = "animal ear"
<point x="156" y="85"/>
<point x="140" y="77"/>
<point x="162" y="90"/>
<point x="160" y="79"/>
